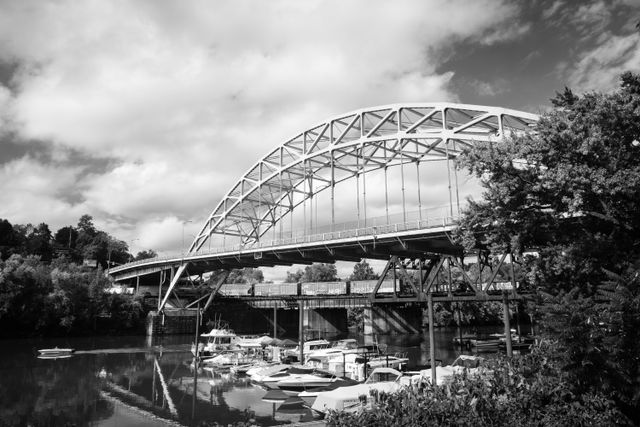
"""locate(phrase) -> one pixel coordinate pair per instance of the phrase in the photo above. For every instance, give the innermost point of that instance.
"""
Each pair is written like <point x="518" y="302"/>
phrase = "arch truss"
<point x="347" y="147"/>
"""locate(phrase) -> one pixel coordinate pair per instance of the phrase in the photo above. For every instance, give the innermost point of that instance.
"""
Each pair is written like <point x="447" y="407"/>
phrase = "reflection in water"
<point x="117" y="381"/>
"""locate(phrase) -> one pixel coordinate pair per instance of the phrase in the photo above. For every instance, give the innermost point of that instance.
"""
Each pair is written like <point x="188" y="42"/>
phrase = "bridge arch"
<point x="348" y="146"/>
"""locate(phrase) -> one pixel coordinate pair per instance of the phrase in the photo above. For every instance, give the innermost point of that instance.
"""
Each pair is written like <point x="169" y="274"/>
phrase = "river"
<point x="137" y="381"/>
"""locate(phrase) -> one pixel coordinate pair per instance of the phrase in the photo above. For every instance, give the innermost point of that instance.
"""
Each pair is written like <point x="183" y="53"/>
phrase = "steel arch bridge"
<point x="346" y="148"/>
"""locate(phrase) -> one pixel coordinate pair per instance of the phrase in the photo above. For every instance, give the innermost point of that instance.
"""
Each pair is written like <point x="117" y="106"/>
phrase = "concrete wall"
<point x="173" y="322"/>
<point x="323" y="322"/>
<point x="385" y="320"/>
<point x="329" y="323"/>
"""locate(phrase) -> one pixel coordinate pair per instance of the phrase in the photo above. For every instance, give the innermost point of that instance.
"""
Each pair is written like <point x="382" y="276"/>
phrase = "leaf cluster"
<point x="570" y="191"/>
<point x="38" y="298"/>
<point x="527" y="391"/>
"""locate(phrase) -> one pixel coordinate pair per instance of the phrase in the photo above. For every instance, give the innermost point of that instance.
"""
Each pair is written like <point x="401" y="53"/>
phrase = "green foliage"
<point x="60" y="298"/>
<point x="571" y="190"/>
<point x="529" y="391"/>
<point x="294" y="277"/>
<point x="245" y="275"/>
<point x="363" y="271"/>
<point x="85" y="242"/>
<point x="317" y="272"/>
<point x="320" y="272"/>
<point x="145" y="255"/>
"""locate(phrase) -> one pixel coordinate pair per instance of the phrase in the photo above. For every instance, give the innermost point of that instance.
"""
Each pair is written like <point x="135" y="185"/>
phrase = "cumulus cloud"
<point x="33" y="192"/>
<point x="600" y="67"/>
<point x="183" y="98"/>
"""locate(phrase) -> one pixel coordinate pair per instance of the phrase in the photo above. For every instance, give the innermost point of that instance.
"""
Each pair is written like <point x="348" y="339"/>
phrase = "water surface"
<point x="137" y="381"/>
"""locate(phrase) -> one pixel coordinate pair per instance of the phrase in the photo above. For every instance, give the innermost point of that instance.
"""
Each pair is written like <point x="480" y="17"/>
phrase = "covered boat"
<point x="353" y="397"/>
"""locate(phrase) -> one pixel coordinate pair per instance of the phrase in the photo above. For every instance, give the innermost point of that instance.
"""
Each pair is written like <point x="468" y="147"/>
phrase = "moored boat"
<point x="258" y="373"/>
<point x="56" y="351"/>
<point x="270" y="381"/>
<point x="306" y="381"/>
<point x="219" y="339"/>
<point x="309" y="395"/>
<point x="349" y="398"/>
<point x="486" y="343"/>
<point x="307" y="348"/>
<point x="357" y="366"/>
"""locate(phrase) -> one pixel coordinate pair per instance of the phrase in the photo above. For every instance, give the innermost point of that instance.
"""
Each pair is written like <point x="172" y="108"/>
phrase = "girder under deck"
<point x="352" y="301"/>
<point x="406" y="244"/>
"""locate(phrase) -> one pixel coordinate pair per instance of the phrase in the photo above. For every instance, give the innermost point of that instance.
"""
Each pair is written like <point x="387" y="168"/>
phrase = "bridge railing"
<point x="374" y="230"/>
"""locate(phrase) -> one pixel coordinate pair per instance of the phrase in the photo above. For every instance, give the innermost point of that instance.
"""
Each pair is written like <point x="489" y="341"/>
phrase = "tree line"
<point x="54" y="284"/>
<point x="81" y="243"/>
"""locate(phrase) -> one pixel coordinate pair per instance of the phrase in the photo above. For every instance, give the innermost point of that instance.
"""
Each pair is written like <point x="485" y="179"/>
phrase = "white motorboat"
<point x="353" y="397"/>
<point x="358" y="366"/>
<point x="297" y="382"/>
<point x="253" y="342"/>
<point x="258" y="373"/>
<point x="307" y="348"/>
<point x="337" y="348"/>
<point x="336" y="360"/>
<point x="309" y="395"/>
<point x="218" y="339"/>
<point x="270" y="381"/>
<point x="228" y="359"/>
<point x="55" y="352"/>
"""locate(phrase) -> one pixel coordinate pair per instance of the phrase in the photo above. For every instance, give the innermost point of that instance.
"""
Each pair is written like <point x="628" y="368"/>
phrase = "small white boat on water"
<point x="349" y="398"/>
<point x="52" y="352"/>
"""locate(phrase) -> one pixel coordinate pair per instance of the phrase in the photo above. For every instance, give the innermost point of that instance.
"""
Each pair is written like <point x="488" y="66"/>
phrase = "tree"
<point x="39" y="242"/>
<point x="294" y="277"/>
<point x="245" y="275"/>
<point x="8" y="239"/>
<point x="145" y="255"/>
<point x="66" y="237"/>
<point x="320" y="272"/>
<point x="363" y="271"/>
<point x="571" y="189"/>
<point x="85" y="225"/>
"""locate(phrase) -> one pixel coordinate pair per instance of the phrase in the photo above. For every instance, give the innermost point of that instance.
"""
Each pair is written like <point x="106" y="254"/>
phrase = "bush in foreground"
<point x="527" y="391"/>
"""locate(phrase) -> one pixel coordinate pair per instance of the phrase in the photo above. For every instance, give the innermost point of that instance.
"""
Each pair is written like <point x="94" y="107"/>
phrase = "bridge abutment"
<point x="386" y="320"/>
<point x="325" y="322"/>
<point x="171" y="322"/>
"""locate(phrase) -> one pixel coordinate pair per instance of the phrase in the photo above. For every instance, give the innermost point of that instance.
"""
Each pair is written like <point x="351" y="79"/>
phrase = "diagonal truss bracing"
<point x="347" y="147"/>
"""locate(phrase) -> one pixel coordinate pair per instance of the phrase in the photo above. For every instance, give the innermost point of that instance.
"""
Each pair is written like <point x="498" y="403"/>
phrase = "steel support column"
<point x="432" y="340"/>
<point x="301" y="329"/>
<point x="507" y="324"/>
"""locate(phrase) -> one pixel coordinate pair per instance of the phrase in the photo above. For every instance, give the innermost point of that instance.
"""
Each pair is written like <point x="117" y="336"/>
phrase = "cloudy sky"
<point x="144" y="113"/>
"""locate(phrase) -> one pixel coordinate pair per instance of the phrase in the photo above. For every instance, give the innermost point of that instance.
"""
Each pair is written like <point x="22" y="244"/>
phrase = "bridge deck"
<point x="418" y="239"/>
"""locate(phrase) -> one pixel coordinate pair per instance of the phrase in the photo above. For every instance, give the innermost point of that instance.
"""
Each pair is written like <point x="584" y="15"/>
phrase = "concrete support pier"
<point x="324" y="322"/>
<point x="172" y="322"/>
<point x="392" y="320"/>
